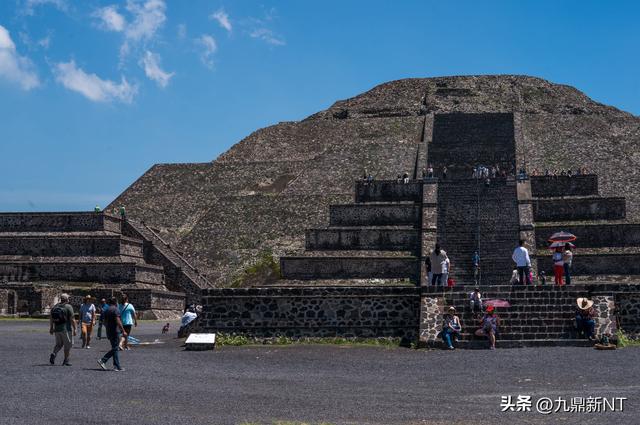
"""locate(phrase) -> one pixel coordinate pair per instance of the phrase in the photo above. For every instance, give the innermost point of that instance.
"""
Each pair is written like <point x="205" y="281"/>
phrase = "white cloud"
<point x="13" y="67"/>
<point x="148" y="18"/>
<point x="45" y="42"/>
<point x="182" y="31"/>
<point x="223" y="19"/>
<point x="92" y="86"/>
<point x="111" y="19"/>
<point x="209" y="47"/>
<point x="268" y="36"/>
<point x="151" y="64"/>
<point x="29" y="6"/>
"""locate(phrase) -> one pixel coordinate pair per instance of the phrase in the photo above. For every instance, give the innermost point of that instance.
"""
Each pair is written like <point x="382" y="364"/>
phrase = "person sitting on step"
<point x="451" y="327"/>
<point x="475" y="300"/>
<point x="489" y="326"/>
<point x="585" y="318"/>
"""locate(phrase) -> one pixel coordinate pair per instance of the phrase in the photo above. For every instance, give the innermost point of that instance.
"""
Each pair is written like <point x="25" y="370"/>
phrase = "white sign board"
<point x="201" y="339"/>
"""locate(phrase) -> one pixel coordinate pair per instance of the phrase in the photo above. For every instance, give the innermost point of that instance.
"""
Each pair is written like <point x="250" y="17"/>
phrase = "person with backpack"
<point x="112" y="325"/>
<point x="129" y="319"/>
<point x="62" y="324"/>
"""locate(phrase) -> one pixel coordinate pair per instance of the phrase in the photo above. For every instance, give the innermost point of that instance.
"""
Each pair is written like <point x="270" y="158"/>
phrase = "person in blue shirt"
<point x="102" y="309"/>
<point x="129" y="319"/>
<point x="475" y="259"/>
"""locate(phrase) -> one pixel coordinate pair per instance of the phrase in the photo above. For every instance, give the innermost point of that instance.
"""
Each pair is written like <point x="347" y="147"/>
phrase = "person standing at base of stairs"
<point x="558" y="266"/>
<point x="523" y="263"/>
<point x="439" y="265"/>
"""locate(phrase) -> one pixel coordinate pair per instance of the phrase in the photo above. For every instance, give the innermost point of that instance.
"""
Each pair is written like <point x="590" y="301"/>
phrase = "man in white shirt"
<point x="523" y="263"/>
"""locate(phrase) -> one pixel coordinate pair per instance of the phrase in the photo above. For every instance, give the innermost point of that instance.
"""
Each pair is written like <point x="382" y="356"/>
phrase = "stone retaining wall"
<point x="628" y="312"/>
<point x="58" y="222"/>
<point x="374" y="215"/>
<point x="594" y="264"/>
<point x="365" y="238"/>
<point x="595" y="235"/>
<point x="554" y="186"/>
<point x="71" y="246"/>
<point x="8" y="302"/>
<point x="312" y="268"/>
<point x="388" y="191"/>
<point x="579" y="209"/>
<point x="108" y="273"/>
<point x="312" y="312"/>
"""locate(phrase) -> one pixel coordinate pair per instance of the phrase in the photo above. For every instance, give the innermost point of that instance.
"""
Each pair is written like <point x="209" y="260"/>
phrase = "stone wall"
<point x="312" y="312"/>
<point x="594" y="235"/>
<point x="388" y="191"/>
<point x="605" y="315"/>
<point x="108" y="273"/>
<point x="628" y="312"/>
<point x="553" y="186"/>
<point x="70" y="246"/>
<point x="579" y="209"/>
<point x="364" y="238"/>
<point x="374" y="214"/>
<point x="432" y="308"/>
<point x="58" y="222"/>
<point x="596" y="264"/>
<point x="312" y="268"/>
<point x="8" y="302"/>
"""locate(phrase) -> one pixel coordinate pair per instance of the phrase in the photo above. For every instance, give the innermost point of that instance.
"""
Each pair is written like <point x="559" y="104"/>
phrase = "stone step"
<point x="393" y="214"/>
<point x="58" y="222"/>
<point x="595" y="235"/>
<point x="396" y="239"/>
<point x="596" y="264"/>
<point x="73" y="245"/>
<point x="549" y="186"/>
<point x="85" y="270"/>
<point x="312" y="268"/>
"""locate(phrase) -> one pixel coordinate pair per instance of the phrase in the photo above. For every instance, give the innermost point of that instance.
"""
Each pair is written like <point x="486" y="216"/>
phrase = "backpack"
<point x="59" y="314"/>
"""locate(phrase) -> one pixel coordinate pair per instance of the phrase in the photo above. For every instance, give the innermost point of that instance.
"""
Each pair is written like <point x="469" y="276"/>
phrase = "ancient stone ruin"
<point x="281" y="236"/>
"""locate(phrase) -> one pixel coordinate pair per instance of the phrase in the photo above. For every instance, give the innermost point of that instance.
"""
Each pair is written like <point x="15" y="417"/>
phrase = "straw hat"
<point x="584" y="303"/>
<point x="451" y="309"/>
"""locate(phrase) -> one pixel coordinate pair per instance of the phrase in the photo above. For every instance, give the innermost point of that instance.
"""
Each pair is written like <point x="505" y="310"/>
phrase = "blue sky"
<point x="92" y="93"/>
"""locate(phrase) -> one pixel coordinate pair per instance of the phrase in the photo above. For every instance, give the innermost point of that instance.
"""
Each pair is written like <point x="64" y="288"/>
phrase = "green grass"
<point x="265" y="270"/>
<point x="240" y="340"/>
<point x="625" y="341"/>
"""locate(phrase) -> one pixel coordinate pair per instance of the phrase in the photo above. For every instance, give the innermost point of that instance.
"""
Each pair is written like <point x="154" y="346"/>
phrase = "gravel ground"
<point x="311" y="384"/>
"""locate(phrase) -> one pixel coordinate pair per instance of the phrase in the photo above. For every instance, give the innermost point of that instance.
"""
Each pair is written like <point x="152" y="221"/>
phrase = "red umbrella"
<point x="497" y="303"/>
<point x="562" y="237"/>
<point x="560" y="245"/>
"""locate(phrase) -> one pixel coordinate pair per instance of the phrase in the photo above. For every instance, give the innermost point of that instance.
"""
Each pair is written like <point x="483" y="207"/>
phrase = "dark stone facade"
<point x="394" y="214"/>
<point x="58" y="222"/>
<point x="596" y="264"/>
<point x="388" y="191"/>
<point x="312" y="268"/>
<point x="594" y="235"/>
<point x="579" y="209"/>
<point x="365" y="238"/>
<point x="556" y="186"/>
<point x="312" y="312"/>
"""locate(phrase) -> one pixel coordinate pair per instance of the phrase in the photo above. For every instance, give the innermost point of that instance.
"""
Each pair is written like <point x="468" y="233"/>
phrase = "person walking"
<point x="103" y="308"/>
<point x="439" y="262"/>
<point x="113" y="324"/>
<point x="62" y="324"/>
<point x="523" y="263"/>
<point x="567" y="259"/>
<point x="558" y="266"/>
<point x="87" y="321"/>
<point x="129" y="319"/>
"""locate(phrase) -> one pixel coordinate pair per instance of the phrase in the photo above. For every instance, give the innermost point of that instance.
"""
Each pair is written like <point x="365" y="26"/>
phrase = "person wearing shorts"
<point x="62" y="325"/>
<point x="129" y="320"/>
<point x="489" y="326"/>
<point x="87" y="320"/>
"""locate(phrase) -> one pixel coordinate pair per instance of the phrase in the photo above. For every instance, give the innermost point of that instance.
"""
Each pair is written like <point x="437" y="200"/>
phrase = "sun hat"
<point x="584" y="303"/>
<point x="452" y="308"/>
